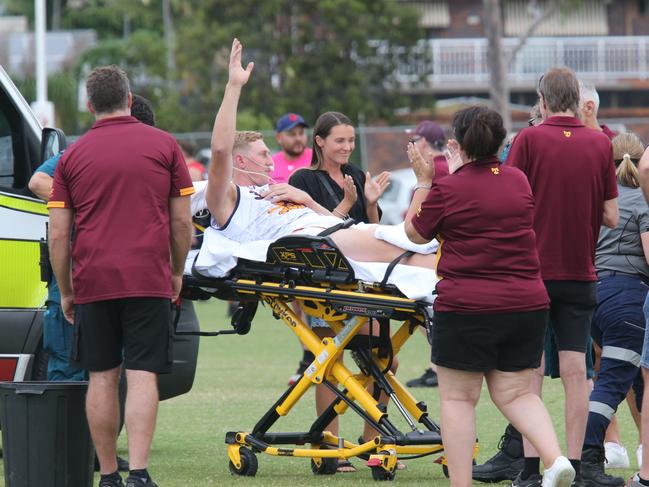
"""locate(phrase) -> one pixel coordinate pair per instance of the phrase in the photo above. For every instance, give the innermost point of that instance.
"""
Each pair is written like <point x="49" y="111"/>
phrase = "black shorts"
<point x="572" y="304"/>
<point x="136" y="331"/>
<point x="503" y="341"/>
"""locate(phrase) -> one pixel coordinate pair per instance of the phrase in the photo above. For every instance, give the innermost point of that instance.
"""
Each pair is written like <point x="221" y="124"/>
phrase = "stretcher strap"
<point x="338" y="226"/>
<point x="392" y="265"/>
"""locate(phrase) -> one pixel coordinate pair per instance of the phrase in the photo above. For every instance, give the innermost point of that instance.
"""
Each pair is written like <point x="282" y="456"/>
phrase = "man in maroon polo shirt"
<point x="124" y="185"/>
<point x="588" y="107"/>
<point x="572" y="174"/>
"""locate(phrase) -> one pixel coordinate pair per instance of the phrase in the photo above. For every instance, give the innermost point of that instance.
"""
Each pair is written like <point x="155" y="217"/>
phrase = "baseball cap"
<point x="289" y="121"/>
<point x="430" y="131"/>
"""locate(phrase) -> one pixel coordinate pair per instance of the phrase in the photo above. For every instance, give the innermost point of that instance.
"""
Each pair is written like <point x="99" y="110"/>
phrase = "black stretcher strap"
<point x="338" y="226"/>
<point x="392" y="265"/>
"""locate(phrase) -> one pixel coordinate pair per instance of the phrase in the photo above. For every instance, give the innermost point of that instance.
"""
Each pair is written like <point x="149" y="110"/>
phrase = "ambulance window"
<point x="6" y="153"/>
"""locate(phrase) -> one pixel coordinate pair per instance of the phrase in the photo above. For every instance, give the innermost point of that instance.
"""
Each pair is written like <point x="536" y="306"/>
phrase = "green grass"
<point x="240" y="377"/>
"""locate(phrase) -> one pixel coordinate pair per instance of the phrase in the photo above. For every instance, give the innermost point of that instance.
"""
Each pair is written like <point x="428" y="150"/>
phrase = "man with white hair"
<point x="588" y="107"/>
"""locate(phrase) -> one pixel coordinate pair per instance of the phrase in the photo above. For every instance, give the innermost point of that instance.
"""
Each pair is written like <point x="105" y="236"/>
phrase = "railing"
<point x="456" y="64"/>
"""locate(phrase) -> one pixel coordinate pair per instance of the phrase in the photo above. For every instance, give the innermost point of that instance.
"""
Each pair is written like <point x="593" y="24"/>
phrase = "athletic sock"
<point x="576" y="464"/>
<point x="532" y="467"/>
<point x="308" y="357"/>
<point x="643" y="481"/>
<point x="141" y="473"/>
<point x="111" y="476"/>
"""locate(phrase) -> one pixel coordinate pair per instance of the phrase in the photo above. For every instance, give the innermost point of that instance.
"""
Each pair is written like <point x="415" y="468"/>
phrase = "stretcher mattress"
<point x="218" y="256"/>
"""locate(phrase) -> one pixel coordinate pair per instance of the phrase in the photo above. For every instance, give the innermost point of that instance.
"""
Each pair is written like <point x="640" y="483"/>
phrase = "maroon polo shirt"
<point x="118" y="179"/>
<point x="608" y="132"/>
<point x="487" y="261"/>
<point x="571" y="171"/>
<point x="441" y="167"/>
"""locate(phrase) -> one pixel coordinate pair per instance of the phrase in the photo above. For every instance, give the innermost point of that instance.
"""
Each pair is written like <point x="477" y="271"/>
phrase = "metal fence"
<point x="440" y="65"/>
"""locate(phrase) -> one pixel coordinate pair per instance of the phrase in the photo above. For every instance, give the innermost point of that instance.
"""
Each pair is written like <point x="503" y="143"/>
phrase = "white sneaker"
<point x="638" y="455"/>
<point x="560" y="473"/>
<point x="616" y="456"/>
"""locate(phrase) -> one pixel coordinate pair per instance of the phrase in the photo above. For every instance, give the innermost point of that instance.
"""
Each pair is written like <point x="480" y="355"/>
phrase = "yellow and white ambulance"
<point x="24" y="144"/>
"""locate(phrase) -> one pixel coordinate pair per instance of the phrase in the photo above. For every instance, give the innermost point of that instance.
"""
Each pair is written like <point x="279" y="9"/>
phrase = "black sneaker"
<point x="133" y="481"/>
<point x="111" y="482"/>
<point x="508" y="461"/>
<point x="534" y="480"/>
<point x="298" y="373"/>
<point x="428" y="379"/>
<point x="592" y="469"/>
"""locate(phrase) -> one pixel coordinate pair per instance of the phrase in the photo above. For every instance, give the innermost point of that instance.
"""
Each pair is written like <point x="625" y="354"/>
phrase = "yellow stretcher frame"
<point x="328" y="292"/>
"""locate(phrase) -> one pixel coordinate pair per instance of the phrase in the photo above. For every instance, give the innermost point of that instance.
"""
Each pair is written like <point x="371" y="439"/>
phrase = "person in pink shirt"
<point x="291" y="136"/>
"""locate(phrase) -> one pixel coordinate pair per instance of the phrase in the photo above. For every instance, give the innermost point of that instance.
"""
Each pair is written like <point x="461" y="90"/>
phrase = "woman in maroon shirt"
<point x="491" y="309"/>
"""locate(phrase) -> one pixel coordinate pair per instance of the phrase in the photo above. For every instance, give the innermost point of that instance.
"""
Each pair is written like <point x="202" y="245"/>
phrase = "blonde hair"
<point x="245" y="137"/>
<point x="625" y="148"/>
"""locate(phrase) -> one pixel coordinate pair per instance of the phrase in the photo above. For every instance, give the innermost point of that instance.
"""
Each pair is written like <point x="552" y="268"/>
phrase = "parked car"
<point x="24" y="144"/>
<point x="396" y="199"/>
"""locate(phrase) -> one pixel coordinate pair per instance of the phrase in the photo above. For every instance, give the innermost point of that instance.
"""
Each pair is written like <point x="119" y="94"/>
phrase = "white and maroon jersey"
<point x="255" y="218"/>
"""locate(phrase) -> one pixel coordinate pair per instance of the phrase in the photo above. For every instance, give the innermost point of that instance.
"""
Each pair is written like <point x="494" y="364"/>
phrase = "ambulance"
<point x="24" y="144"/>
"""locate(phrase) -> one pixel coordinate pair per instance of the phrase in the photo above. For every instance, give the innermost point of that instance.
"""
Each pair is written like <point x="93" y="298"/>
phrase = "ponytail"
<point x="627" y="173"/>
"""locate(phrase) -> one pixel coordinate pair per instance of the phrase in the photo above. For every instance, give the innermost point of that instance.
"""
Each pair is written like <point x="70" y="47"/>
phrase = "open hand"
<point x="453" y="155"/>
<point x="350" y="191"/>
<point x="237" y="75"/>
<point x="374" y="188"/>
<point x="424" y="169"/>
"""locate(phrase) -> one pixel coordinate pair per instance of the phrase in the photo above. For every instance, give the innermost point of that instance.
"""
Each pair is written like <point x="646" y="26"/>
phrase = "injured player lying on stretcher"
<point x="244" y="207"/>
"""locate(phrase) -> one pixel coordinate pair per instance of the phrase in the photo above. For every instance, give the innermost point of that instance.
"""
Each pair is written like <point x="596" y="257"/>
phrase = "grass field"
<point x="239" y="377"/>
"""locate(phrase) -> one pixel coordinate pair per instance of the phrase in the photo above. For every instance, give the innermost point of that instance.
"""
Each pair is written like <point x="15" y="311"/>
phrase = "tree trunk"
<point x="498" y="82"/>
<point x="170" y="42"/>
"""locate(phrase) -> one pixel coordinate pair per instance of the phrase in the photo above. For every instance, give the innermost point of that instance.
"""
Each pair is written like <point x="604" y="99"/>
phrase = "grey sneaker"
<point x="534" y="480"/>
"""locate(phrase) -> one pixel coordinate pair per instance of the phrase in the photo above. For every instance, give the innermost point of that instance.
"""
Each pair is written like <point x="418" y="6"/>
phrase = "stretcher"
<point x="311" y="271"/>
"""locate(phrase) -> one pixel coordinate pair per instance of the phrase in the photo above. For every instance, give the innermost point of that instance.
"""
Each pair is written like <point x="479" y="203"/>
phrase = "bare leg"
<point x="633" y="408"/>
<point x="363" y="246"/>
<point x="510" y="392"/>
<point x="613" y="432"/>
<point x="102" y="409"/>
<point x="141" y="412"/>
<point x="459" y="393"/>
<point x="536" y="387"/>
<point x="572" y="366"/>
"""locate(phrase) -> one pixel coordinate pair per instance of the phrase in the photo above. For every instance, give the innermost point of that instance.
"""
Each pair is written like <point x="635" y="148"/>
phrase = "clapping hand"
<point x="453" y="155"/>
<point x="374" y="188"/>
<point x="350" y="192"/>
<point x="237" y="75"/>
<point x="424" y="169"/>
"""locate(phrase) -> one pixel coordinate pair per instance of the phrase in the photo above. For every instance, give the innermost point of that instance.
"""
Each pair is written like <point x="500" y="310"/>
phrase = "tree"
<point x="498" y="59"/>
<point x="310" y="55"/>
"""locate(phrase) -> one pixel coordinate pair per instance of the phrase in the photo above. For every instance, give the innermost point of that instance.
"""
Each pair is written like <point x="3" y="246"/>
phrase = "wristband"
<point x="340" y="213"/>
<point x="422" y="186"/>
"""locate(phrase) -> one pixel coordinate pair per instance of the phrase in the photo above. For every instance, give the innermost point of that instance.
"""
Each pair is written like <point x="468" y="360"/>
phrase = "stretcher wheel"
<point x="380" y="474"/>
<point x="249" y="464"/>
<point x="328" y="466"/>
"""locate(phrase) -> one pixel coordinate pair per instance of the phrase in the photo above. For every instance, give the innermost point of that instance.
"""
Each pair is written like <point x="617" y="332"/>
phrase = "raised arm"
<point x="221" y="192"/>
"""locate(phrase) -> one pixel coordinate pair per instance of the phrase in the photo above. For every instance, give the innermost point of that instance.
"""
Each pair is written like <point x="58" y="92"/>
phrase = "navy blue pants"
<point x="618" y="327"/>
